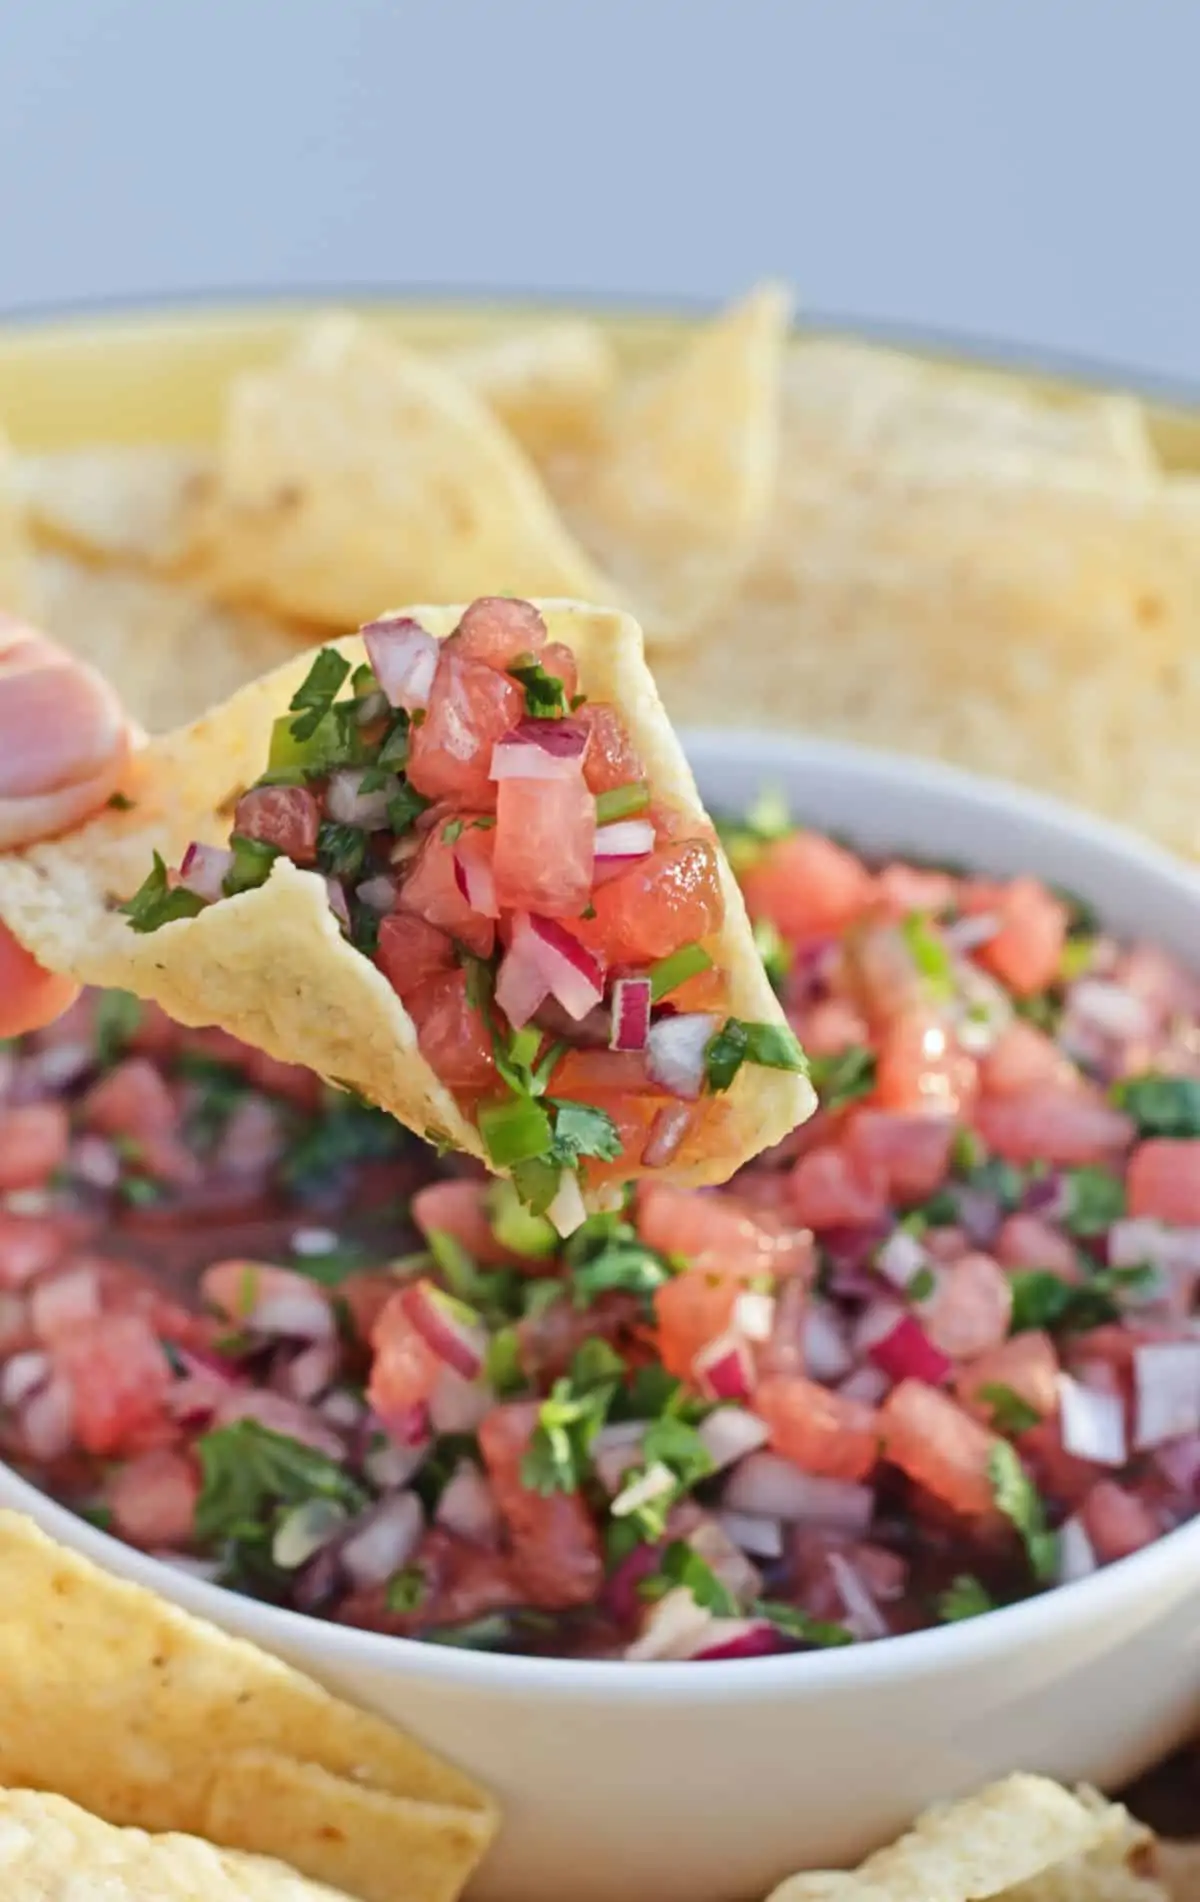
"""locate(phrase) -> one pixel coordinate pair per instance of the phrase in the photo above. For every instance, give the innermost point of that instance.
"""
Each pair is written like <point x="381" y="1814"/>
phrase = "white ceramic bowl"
<point x="706" y="1783"/>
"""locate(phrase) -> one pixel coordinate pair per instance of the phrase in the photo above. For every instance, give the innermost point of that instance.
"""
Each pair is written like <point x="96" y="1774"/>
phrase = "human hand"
<point x="64" y="742"/>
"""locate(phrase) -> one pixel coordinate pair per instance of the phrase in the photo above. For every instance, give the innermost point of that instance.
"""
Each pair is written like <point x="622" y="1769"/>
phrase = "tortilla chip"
<point x="52" y="1851"/>
<point x="115" y="502"/>
<point x="549" y="384"/>
<point x="1179" y="1867"/>
<point x="14" y="576"/>
<point x="1047" y="632"/>
<point x="130" y="1707"/>
<point x="271" y="964"/>
<point x="960" y="1852"/>
<point x="1119" y="1867"/>
<point x="676" y="497"/>
<point x="168" y="651"/>
<point x="357" y="471"/>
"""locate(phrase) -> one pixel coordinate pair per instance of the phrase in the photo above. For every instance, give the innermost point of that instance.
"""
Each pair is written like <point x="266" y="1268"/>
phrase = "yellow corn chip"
<point x="549" y="384"/>
<point x="131" y="1708"/>
<point x="1119" y="1867"/>
<point x="271" y="964"/>
<point x="115" y="502"/>
<point x="14" y="578"/>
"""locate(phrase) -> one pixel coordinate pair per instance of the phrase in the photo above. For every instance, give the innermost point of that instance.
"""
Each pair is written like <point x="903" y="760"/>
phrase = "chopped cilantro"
<point x="317" y="692"/>
<point x="1077" y="958"/>
<point x="364" y="927"/>
<point x="670" y="972"/>
<point x="99" y="1516"/>
<point x="963" y="1598"/>
<point x="503" y="1362"/>
<point x="967" y="1152"/>
<point x="1018" y="1499"/>
<point x="568" y="1422"/>
<point x="1010" y="1413"/>
<point x="118" y="1014"/>
<point x="250" y="1476"/>
<point x="252" y="862"/>
<point x="514" y="1131"/>
<point x="581" y="1129"/>
<point x="140" y="1192"/>
<point x="773" y="1046"/>
<point x="406" y="1590"/>
<point x="767" y="820"/>
<point x="539" y="1294"/>
<point x="452" y="831"/>
<point x="997" y="1178"/>
<point x="119" y="802"/>
<point x="1042" y="1010"/>
<point x="1161" y="1105"/>
<point x="346" y="1132"/>
<point x="341" y="849"/>
<point x="928" y="951"/>
<point x="794" y="1623"/>
<point x="218" y="1089"/>
<point x="941" y="1210"/>
<point x="1095" y="1200"/>
<point x="1083" y="920"/>
<point x="681" y="1566"/>
<point x="921" y="1285"/>
<point x="495" y="1631"/>
<point x="392" y="756"/>
<point x="774" y="950"/>
<point x="1045" y="1300"/>
<point x="622" y="802"/>
<point x="630" y="1266"/>
<point x="843" y="1078"/>
<point x="404" y="806"/>
<point x="156" y="902"/>
<point x="545" y="696"/>
<point x="594" y="1364"/>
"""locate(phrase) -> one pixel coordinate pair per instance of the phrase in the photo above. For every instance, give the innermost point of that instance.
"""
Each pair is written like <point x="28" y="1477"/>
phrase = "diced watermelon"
<point x="34" y="1138"/>
<point x="912" y="1152"/>
<point x="921" y="1069"/>
<point x="431" y="891"/>
<point x="1027" y="1365"/>
<point x="718" y="1233"/>
<point x="827" y="1028"/>
<point x="1164" y="1181"/>
<point x="286" y="817"/>
<point x="1026" y="952"/>
<point x="691" y="1311"/>
<point x="556" y="658"/>
<point x="556" y="1547"/>
<point x="1026" y="1241"/>
<point x="471" y="707"/>
<point x="929" y="1437"/>
<point x="1060" y="1127"/>
<point x="831" y="1188"/>
<point x="610" y="760"/>
<point x="545" y="843"/>
<point x="133" y="1100"/>
<point x="497" y="631"/>
<point x="1118" y="1521"/>
<point x="153" y="1499"/>
<point x="901" y="889"/>
<point x="404" y="1371"/>
<point x="881" y="973"/>
<point x="411" y="951"/>
<point x="453" y="1037"/>
<point x="666" y="900"/>
<point x="807" y="886"/>
<point x="1025" y="1058"/>
<point x="819" y="1430"/>
<point x="119" y="1377"/>
<point x="970" y="1308"/>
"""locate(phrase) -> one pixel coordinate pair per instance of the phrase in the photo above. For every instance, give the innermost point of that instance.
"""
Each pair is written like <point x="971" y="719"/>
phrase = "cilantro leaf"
<point x="1045" y="1300"/>
<point x="1161" y="1105"/>
<point x="545" y="696"/>
<point x="580" y="1129"/>
<point x="929" y="953"/>
<point x="794" y="1623"/>
<point x="773" y="1046"/>
<point x="1095" y="1199"/>
<point x="679" y="1566"/>
<point x="560" y="1448"/>
<point x="406" y="1590"/>
<point x="404" y="807"/>
<point x="252" y="862"/>
<point x="119" y="802"/>
<point x="632" y="1267"/>
<point x="248" y="1473"/>
<point x="156" y="902"/>
<point x="843" y="1078"/>
<point x="317" y="692"/>
<point x="392" y="756"/>
<point x="1018" y="1499"/>
<point x="964" y="1597"/>
<point x="341" y="849"/>
<point x="1010" y="1413"/>
<point x="117" y="1016"/>
<point x="774" y="950"/>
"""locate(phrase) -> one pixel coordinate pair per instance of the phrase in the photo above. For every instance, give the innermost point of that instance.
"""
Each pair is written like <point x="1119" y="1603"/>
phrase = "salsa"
<point x="935" y="1353"/>
<point x="491" y="839"/>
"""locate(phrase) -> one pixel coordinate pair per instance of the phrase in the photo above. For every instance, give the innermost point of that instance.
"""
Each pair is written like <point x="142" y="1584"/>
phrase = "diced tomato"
<point x="471" y="707"/>
<point x="431" y="891"/>
<point x="833" y="1025"/>
<point x="901" y="889"/>
<point x="1026" y="1241"/>
<point x="460" y="1208"/>
<point x="286" y="817"/>
<point x="119" y="1377"/>
<point x="807" y="886"/>
<point x="707" y="990"/>
<point x="236" y="1287"/>
<point x="1056" y="1126"/>
<point x="830" y="1188"/>
<point x="819" y="1430"/>
<point x="610" y="760"/>
<point x="133" y="1100"/>
<point x="405" y="1370"/>
<point x="668" y="899"/>
<point x="583" y="1074"/>
<point x="29" y="1246"/>
<point x="557" y="659"/>
<point x="289" y="1080"/>
<point x="1161" y="984"/>
<point x="62" y="1302"/>
<point x="34" y="1139"/>
<point x="556" y="1547"/>
<point x="921" y="1068"/>
<point x="718" y="1233"/>
<point x="452" y="1035"/>
<point x="1026" y="952"/>
<point x="411" y="951"/>
<point x="881" y="973"/>
<point x="497" y="631"/>
<point x="364" y="1295"/>
<point x="691" y="1311"/>
<point x="1117" y="1521"/>
<point x="634" y="1118"/>
<point x="1027" y="1365"/>
<point x="1164" y="1181"/>
<point x="1024" y="1058"/>
<point x="155" y="1035"/>
<point x="970" y="1308"/>
<point x="153" y="1498"/>
<point x="545" y="844"/>
<point x="913" y="1152"/>
<point x="939" y="1446"/>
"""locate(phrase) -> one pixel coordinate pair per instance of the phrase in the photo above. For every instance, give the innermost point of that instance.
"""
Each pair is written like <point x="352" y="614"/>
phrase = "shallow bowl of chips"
<point x="701" y="1783"/>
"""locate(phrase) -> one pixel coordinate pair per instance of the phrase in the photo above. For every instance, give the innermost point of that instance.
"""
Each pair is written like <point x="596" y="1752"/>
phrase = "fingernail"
<point x="58" y="724"/>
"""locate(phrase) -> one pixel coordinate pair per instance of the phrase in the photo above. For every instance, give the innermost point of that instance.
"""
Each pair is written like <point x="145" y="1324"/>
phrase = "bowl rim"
<point x="328" y="1646"/>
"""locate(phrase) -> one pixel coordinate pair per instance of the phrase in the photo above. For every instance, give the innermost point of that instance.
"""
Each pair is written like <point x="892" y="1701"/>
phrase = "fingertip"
<point x="29" y="996"/>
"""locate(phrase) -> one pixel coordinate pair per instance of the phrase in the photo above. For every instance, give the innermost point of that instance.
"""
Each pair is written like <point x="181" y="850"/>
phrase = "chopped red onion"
<point x="312" y="1371"/>
<point x="61" y="1301"/>
<point x="723" y="1369"/>
<point x="53" y="1069"/>
<point x="754" y="1315"/>
<point x="863" y="1616"/>
<point x="768" y="1486"/>
<point x="467" y="1506"/>
<point x="655" y="1483"/>
<point x="1136" y="1240"/>
<point x="203" y="870"/>
<point x="350" y="806"/>
<point x="1179" y="1463"/>
<point x="21" y="1377"/>
<point x="729" y="1638"/>
<point x="729" y="1433"/>
<point x="675" y="1627"/>
<point x="544" y="960"/>
<point x="969" y="932"/>
<point x="631" y="1001"/>
<point x="384" y="1540"/>
<point x="827" y="1355"/>
<point x="667" y="1131"/>
<point x="337" y="902"/>
<point x="454" y="1333"/>
<point x="458" y="1405"/>
<point x="541" y="749"/>
<point x="982" y="1010"/>
<point x="725" y="1559"/>
<point x="1092" y="1423"/>
<point x="1166" y="1378"/>
<point x="521" y="986"/>
<point x="95" y="1161"/>
<point x="901" y="1257"/>
<point x="1076" y="1554"/>
<point x="867" y="1383"/>
<point x="1110" y="1009"/>
<point x="676" y="1047"/>
<point x="378" y="893"/>
<point x="625" y="839"/>
<point x="403" y="659"/>
<point x="567" y="1211"/>
<point x="475" y="880"/>
<point x="47" y="1420"/>
<point x="305" y="1531"/>
<point x="898" y="1343"/>
<point x="294" y="1314"/>
<point x="280" y="1415"/>
<point x="754" y="1533"/>
<point x="343" y="1410"/>
<point x="390" y="1466"/>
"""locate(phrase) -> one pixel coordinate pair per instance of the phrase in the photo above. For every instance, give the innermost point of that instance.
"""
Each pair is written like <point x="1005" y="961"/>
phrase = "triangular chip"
<point x="116" y="502"/>
<point x="675" y="498"/>
<point x="135" y="1710"/>
<point x="357" y="471"/>
<point x="1121" y="1866"/>
<point x="272" y="966"/>
<point x="548" y="384"/>
<point x="53" y="1851"/>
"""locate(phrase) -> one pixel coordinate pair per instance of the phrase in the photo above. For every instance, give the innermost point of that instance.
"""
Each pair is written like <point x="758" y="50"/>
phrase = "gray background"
<point x="1016" y="169"/>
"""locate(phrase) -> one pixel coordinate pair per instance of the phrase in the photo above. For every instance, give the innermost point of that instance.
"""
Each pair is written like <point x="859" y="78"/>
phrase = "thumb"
<point x="64" y="740"/>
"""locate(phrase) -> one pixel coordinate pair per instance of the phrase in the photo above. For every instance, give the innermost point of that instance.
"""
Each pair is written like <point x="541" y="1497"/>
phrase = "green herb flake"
<point x="622" y="802"/>
<point x="157" y="903"/>
<point x="560" y="1447"/>
<point x="315" y="695"/>
<point x="773" y="1046"/>
<point x="929" y="953"/>
<point x="774" y="950"/>
<point x="452" y="831"/>
<point x="794" y="1623"/>
<point x="120" y="802"/>
<point x="503" y="1362"/>
<point x="248" y="1473"/>
<point x="406" y="1590"/>
<point x="1095" y="1200"/>
<point x="1018" y="1499"/>
<point x="581" y="1129"/>
<point x="515" y="1131"/>
<point x="341" y="850"/>
<point x="391" y="757"/>
<point x="545" y="696"/>
<point x="1046" y="1301"/>
<point x="1011" y="1414"/>
<point x="117" y="1016"/>
<point x="680" y="1566"/>
<point x="963" y="1598"/>
<point x="252" y="862"/>
<point x="1161" y="1105"/>
<point x="670" y="972"/>
<point x="843" y="1078"/>
<point x="922" y="1285"/>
